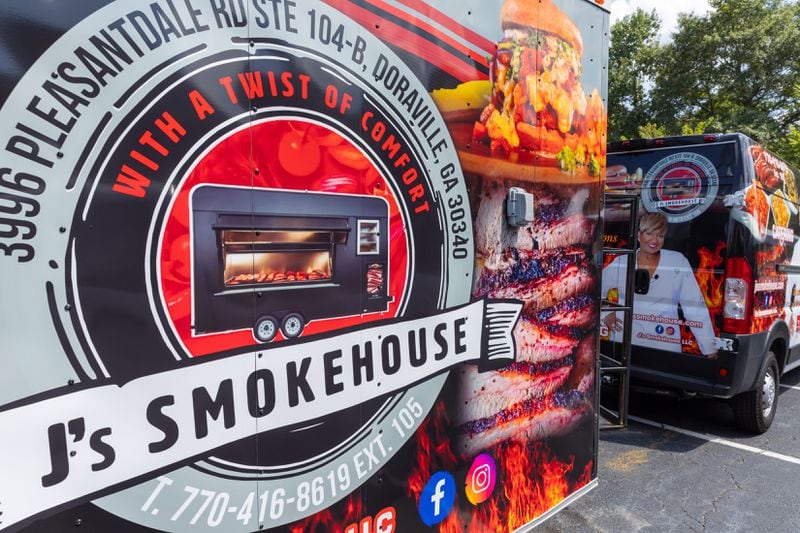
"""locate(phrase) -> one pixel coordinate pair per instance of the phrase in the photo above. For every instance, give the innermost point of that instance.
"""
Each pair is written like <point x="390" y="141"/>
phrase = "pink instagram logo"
<point x="481" y="479"/>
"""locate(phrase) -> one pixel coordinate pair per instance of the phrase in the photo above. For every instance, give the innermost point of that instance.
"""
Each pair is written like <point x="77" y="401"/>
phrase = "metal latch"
<point x="519" y="207"/>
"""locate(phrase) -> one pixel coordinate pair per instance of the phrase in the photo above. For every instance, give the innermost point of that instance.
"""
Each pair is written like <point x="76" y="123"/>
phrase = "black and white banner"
<point x="81" y="443"/>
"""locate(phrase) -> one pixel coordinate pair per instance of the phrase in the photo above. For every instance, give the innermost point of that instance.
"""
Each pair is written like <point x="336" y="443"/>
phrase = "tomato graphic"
<point x="298" y="154"/>
<point x="324" y="137"/>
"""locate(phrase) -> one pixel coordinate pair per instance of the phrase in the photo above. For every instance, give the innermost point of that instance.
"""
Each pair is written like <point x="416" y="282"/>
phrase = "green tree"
<point x="632" y="66"/>
<point x="733" y="69"/>
<point x="790" y="147"/>
<point x="650" y="130"/>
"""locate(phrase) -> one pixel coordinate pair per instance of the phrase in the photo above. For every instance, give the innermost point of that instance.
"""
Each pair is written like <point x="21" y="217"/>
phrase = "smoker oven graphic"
<point x="274" y="259"/>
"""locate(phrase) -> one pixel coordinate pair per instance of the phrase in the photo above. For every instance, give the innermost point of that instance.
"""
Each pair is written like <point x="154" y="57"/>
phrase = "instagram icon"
<point x="481" y="479"/>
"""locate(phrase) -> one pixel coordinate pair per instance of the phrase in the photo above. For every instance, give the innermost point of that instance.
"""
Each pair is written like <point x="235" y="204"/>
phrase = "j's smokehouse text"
<point x="165" y="419"/>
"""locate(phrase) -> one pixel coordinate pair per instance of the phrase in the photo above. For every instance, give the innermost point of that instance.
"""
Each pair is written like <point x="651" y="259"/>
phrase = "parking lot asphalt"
<point x="683" y="465"/>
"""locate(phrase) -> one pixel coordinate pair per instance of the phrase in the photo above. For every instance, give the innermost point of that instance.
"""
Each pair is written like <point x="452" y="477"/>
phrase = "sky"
<point x="667" y="10"/>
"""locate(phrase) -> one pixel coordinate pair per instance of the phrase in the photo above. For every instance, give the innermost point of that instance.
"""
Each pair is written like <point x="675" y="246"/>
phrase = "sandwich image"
<point x="537" y="103"/>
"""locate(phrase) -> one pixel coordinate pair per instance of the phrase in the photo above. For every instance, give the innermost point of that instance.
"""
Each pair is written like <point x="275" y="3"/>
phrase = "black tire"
<point x="292" y="325"/>
<point x="265" y="328"/>
<point x="755" y="410"/>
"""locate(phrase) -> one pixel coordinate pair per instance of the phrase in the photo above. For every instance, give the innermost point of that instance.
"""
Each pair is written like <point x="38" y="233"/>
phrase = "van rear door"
<point x="682" y="185"/>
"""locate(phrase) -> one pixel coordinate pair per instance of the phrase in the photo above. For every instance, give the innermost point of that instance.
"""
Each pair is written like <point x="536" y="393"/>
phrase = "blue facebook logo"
<point x="437" y="498"/>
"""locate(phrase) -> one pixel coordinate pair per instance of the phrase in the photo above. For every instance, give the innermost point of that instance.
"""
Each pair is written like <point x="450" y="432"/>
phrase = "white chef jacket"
<point x="656" y="324"/>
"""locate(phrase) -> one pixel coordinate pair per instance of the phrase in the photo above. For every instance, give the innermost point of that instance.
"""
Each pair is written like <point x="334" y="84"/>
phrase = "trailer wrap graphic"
<point x="698" y="189"/>
<point x="246" y="282"/>
<point x="156" y="421"/>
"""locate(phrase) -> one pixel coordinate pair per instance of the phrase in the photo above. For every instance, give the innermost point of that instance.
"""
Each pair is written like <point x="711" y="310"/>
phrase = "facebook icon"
<point x="437" y="498"/>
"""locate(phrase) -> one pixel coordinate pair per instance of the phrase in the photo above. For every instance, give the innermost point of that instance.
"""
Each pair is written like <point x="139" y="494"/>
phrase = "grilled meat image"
<point x="485" y="394"/>
<point x="549" y="266"/>
<point x="548" y="291"/>
<point x="532" y="419"/>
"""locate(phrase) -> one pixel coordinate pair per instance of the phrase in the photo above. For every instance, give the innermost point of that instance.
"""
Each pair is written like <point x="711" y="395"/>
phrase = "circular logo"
<point x="681" y="186"/>
<point x="437" y="498"/>
<point x="670" y="331"/>
<point x="481" y="479"/>
<point x="660" y="329"/>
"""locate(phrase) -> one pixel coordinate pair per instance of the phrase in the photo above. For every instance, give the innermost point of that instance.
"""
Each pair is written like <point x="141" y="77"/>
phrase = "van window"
<point x="687" y="184"/>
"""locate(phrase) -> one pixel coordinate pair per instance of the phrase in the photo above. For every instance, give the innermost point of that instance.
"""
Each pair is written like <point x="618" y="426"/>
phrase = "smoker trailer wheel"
<point x="265" y="328"/>
<point x="292" y="325"/>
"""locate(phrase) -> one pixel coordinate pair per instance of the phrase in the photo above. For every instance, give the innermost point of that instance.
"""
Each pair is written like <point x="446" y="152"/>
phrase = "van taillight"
<point x="738" y="299"/>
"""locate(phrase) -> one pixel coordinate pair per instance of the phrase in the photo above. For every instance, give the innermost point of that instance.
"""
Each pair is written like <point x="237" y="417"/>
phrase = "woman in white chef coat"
<point x="672" y="282"/>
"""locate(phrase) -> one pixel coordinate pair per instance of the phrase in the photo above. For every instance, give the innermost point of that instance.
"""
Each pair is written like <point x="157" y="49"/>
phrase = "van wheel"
<point x="292" y="325"/>
<point x="265" y="328"/>
<point x="755" y="410"/>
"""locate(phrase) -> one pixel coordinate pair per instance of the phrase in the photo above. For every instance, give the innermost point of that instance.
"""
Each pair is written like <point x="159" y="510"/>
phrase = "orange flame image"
<point x="531" y="480"/>
<point x="710" y="281"/>
<point x="329" y="521"/>
<point x="768" y="256"/>
<point x="769" y="305"/>
<point x="433" y="429"/>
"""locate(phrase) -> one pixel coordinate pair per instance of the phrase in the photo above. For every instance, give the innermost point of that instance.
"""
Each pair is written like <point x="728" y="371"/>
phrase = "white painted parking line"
<point x="718" y="440"/>
<point x="793" y="387"/>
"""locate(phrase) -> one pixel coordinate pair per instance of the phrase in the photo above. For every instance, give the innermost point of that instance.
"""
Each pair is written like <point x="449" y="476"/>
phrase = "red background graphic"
<point x="278" y="154"/>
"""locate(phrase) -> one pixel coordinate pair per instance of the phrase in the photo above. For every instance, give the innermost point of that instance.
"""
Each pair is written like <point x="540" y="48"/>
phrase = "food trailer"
<point x="299" y="266"/>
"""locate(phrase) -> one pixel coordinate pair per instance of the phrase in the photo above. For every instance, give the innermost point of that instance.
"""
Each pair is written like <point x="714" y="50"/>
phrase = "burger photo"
<point x="537" y="102"/>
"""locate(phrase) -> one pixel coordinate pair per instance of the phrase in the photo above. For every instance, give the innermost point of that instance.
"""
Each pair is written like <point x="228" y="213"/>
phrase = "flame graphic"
<point x="768" y="256"/>
<point x="769" y="306"/>
<point x="433" y="429"/>
<point x="711" y="285"/>
<point x="531" y="479"/>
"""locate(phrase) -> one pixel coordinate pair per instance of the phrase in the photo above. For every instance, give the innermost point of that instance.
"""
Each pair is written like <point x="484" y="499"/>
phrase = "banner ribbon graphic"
<point x="67" y="447"/>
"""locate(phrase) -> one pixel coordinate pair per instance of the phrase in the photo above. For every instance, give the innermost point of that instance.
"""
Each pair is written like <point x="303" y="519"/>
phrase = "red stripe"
<point x="467" y="34"/>
<point x="409" y="41"/>
<point x="431" y="13"/>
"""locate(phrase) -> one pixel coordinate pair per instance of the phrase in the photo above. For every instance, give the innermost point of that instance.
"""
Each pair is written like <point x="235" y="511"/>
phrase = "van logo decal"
<point x="681" y="186"/>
